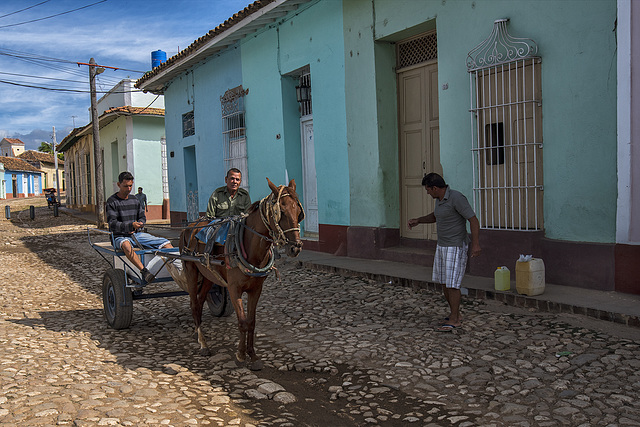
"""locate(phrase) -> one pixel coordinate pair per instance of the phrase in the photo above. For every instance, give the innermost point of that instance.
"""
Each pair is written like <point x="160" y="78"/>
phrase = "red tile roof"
<point x="16" y="164"/>
<point x="104" y="119"/>
<point x="14" y="141"/>
<point x="127" y="109"/>
<point x="37" y="156"/>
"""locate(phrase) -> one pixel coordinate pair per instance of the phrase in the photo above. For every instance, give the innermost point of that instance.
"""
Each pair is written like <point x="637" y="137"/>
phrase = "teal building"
<point x="516" y="105"/>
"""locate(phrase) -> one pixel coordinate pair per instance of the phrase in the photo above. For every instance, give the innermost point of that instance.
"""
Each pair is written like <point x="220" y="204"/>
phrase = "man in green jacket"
<point x="229" y="200"/>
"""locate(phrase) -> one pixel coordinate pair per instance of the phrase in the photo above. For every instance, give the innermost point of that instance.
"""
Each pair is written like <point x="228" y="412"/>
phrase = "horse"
<point x="273" y="221"/>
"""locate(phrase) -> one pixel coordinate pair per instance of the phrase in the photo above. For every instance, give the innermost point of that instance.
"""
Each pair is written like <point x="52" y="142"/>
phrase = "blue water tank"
<point x="157" y="58"/>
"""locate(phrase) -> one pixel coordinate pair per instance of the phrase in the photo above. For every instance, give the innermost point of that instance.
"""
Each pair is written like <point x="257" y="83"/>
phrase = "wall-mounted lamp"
<point x="303" y="93"/>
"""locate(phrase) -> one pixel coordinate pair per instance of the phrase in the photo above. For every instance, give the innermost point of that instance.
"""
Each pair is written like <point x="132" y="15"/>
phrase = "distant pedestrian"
<point x="451" y="213"/>
<point x="142" y="198"/>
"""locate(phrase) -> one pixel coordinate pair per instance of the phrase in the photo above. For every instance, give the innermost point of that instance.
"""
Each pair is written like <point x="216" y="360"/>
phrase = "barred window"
<point x="234" y="132"/>
<point x="506" y="108"/>
<point x="188" y="124"/>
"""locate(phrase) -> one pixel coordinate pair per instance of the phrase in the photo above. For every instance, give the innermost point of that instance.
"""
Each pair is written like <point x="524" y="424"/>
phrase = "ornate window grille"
<point x="165" y="168"/>
<point x="417" y="50"/>
<point x="234" y="132"/>
<point x="506" y="129"/>
<point x="192" y="206"/>
<point x="188" y="124"/>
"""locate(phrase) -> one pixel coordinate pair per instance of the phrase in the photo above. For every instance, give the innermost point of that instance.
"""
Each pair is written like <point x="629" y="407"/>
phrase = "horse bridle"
<point x="270" y="206"/>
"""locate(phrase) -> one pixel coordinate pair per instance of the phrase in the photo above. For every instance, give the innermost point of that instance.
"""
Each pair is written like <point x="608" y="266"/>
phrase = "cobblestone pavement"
<point x="338" y="351"/>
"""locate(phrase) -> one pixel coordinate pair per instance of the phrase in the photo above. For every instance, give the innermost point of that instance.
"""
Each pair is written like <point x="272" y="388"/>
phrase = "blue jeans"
<point x="147" y="241"/>
<point x="218" y="232"/>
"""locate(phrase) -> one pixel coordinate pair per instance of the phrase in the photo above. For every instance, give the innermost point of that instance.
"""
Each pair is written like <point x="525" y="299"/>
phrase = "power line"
<point x="63" y="89"/>
<point x="40" y="77"/>
<point x="35" y="57"/>
<point x="22" y="10"/>
<point x="52" y="16"/>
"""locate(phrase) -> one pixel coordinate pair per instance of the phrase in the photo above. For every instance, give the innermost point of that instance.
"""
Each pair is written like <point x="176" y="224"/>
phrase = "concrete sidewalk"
<point x="610" y="306"/>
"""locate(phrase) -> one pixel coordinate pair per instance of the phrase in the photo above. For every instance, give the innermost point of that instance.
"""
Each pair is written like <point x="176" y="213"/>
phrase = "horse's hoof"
<point x="205" y="352"/>
<point x="256" y="365"/>
<point x="239" y="361"/>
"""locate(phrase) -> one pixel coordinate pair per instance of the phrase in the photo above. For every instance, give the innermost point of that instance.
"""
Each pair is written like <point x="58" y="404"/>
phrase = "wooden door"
<point x="419" y="145"/>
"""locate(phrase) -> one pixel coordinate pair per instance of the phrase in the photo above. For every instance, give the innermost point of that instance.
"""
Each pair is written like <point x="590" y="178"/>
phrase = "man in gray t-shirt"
<point x="451" y="213"/>
<point x="142" y="198"/>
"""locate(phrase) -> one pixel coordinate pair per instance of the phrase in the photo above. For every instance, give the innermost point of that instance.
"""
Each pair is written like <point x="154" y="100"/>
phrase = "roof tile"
<point x="14" y="141"/>
<point x="37" y="156"/>
<point x="16" y="164"/>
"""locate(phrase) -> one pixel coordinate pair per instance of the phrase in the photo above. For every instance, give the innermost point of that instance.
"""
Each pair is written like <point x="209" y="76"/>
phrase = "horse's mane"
<point x="254" y="206"/>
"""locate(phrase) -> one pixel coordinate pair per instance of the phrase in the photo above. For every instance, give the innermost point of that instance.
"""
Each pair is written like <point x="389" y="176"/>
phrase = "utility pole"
<point x="55" y="156"/>
<point x="97" y="153"/>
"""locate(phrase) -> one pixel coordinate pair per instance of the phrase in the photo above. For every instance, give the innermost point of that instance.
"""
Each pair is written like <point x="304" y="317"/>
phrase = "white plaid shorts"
<point x="449" y="265"/>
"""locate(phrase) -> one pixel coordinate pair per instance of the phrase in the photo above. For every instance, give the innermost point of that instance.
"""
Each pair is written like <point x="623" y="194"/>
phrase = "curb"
<point x="511" y="299"/>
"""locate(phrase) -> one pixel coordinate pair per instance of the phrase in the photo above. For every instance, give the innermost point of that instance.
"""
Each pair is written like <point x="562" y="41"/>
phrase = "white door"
<point x="25" y="185"/>
<point x="310" y="185"/>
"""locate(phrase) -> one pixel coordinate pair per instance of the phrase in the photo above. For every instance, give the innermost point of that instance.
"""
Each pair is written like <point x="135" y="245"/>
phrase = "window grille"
<point x="81" y="179"/>
<point x="305" y="106"/>
<point x="188" y="124"/>
<point x="87" y="162"/>
<point x="419" y="49"/>
<point x="165" y="168"/>
<point x="506" y="124"/>
<point x="74" y="183"/>
<point x="193" y="212"/>
<point x="234" y="132"/>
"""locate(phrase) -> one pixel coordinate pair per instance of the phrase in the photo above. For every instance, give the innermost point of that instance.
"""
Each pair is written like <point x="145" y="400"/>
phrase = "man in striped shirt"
<point x="126" y="218"/>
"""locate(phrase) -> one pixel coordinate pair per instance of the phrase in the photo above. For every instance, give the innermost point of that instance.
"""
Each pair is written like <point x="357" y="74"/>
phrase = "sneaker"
<point x="148" y="277"/>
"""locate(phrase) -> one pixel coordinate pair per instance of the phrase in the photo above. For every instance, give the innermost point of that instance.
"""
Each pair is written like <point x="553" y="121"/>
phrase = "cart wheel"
<point x="219" y="302"/>
<point x="117" y="300"/>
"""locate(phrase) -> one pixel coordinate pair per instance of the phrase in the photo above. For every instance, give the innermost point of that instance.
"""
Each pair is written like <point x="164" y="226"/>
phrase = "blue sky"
<point x="117" y="33"/>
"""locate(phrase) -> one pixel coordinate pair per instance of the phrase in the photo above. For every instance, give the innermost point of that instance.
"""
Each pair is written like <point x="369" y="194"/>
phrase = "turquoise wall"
<point x="113" y="136"/>
<point x="311" y="36"/>
<point x="199" y="90"/>
<point x="146" y="133"/>
<point x="147" y="157"/>
<point x="577" y="46"/>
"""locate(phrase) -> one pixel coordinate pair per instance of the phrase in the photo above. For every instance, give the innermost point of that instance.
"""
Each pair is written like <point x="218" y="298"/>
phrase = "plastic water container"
<point x="156" y="267"/>
<point x="502" y="279"/>
<point x="530" y="277"/>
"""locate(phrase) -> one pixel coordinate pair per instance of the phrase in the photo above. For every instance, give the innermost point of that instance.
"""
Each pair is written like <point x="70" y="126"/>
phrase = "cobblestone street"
<point x="338" y="351"/>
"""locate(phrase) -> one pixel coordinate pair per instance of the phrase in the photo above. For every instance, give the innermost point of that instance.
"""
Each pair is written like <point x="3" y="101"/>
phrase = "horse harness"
<point x="234" y="253"/>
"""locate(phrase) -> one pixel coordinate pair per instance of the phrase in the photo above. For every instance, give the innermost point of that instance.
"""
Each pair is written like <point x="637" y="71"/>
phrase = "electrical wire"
<point x="65" y="89"/>
<point x="66" y="66"/>
<point x="40" y="77"/>
<point x="26" y="8"/>
<point x="52" y="16"/>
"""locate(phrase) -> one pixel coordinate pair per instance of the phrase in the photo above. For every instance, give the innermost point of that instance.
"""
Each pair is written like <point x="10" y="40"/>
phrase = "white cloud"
<point x="119" y="33"/>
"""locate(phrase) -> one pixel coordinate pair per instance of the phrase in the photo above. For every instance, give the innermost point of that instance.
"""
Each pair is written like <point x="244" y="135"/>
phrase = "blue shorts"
<point x="147" y="241"/>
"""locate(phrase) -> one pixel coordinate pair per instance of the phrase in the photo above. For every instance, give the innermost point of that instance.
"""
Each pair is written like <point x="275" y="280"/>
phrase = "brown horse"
<point x="274" y="220"/>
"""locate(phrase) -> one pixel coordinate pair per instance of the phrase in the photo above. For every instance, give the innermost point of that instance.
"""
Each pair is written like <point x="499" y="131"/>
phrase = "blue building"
<point x="20" y="179"/>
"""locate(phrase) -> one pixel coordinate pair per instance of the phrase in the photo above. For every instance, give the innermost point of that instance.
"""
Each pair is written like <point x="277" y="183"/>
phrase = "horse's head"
<point x="288" y="214"/>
